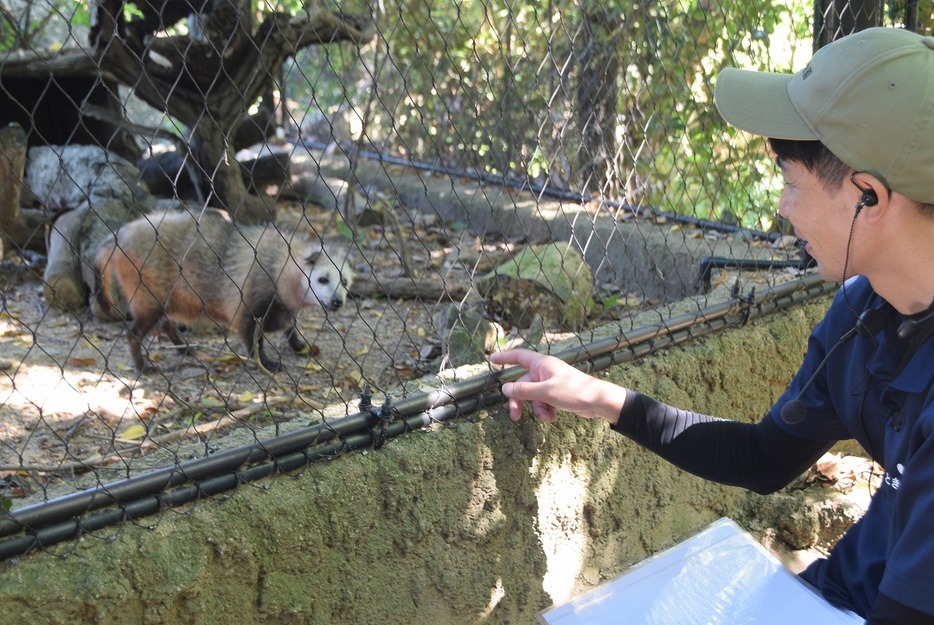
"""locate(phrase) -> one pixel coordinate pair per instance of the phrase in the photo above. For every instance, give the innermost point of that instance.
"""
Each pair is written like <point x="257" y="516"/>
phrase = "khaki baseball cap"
<point x="868" y="97"/>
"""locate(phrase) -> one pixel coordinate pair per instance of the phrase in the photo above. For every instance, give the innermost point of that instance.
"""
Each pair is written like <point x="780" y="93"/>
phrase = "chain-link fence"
<point x="399" y="189"/>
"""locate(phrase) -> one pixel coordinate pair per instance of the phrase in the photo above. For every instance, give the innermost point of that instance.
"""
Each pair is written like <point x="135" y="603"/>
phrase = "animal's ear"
<point x="312" y="258"/>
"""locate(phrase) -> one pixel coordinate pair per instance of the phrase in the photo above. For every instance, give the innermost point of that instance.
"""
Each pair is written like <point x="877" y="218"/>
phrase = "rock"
<point x="549" y="281"/>
<point x="467" y="336"/>
<point x="102" y="191"/>
<point x="64" y="177"/>
<point x="264" y="165"/>
<point x="63" y="285"/>
<point x="166" y="175"/>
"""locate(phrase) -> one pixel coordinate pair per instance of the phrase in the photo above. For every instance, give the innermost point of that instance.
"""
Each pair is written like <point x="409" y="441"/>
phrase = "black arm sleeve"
<point x="887" y="611"/>
<point x="761" y="457"/>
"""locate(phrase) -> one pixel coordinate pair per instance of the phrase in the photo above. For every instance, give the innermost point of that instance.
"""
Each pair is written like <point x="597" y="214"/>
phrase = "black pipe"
<point x="729" y="318"/>
<point x="49" y="535"/>
<point x="708" y="263"/>
<point x="540" y="190"/>
<point x="53" y="521"/>
<point x="123" y="491"/>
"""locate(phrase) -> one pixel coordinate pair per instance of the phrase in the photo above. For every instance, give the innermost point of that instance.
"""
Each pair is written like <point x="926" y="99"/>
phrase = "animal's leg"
<point x="296" y="342"/>
<point x="251" y="333"/>
<point x="141" y="326"/>
<point x="171" y="330"/>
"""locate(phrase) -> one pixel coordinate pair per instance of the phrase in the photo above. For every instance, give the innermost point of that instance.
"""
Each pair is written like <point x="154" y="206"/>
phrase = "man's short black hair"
<point x="815" y="157"/>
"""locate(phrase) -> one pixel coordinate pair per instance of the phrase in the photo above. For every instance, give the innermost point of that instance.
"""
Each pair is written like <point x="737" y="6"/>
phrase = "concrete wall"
<point x="478" y="520"/>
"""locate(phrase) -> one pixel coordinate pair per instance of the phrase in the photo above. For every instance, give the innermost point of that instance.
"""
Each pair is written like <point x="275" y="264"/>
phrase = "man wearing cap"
<point x="853" y="135"/>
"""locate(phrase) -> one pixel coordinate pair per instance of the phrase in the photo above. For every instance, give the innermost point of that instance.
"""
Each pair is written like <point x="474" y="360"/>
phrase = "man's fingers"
<point x="545" y="412"/>
<point x="523" y="390"/>
<point x="515" y="409"/>
<point x="521" y="357"/>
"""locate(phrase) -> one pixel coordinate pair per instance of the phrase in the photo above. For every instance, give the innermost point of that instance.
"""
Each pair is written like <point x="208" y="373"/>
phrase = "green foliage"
<point x="131" y="11"/>
<point x="7" y="33"/>
<point x="610" y="302"/>
<point x="193" y="420"/>
<point x="25" y="26"/>
<point x="607" y="96"/>
<point x="702" y="166"/>
<point x="345" y="230"/>
<point x="925" y="13"/>
<point x="502" y="88"/>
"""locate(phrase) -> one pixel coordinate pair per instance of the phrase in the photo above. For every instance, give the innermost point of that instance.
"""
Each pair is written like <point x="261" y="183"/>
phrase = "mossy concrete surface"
<point x="479" y="520"/>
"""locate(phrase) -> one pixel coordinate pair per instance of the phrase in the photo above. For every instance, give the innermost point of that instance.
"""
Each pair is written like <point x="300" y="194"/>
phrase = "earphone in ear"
<point x="869" y="198"/>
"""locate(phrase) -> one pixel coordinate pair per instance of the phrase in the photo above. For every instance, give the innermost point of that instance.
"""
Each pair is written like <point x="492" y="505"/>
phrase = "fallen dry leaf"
<point x="132" y="433"/>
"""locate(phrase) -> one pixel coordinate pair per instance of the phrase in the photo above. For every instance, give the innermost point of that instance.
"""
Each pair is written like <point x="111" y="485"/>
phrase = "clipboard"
<point x="720" y="575"/>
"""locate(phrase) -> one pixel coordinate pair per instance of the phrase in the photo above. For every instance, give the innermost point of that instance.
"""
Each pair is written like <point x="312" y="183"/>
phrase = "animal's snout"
<point x="336" y="303"/>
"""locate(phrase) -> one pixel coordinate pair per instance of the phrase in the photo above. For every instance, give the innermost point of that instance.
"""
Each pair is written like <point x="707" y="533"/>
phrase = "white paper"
<point x="720" y="576"/>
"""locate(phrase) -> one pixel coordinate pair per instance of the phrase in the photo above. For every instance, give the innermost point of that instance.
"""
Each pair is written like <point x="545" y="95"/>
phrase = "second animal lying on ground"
<point x="173" y="267"/>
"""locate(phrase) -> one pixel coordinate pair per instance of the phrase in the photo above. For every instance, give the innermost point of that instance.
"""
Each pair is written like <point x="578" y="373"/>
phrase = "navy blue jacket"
<point x="876" y="389"/>
<point x="867" y="392"/>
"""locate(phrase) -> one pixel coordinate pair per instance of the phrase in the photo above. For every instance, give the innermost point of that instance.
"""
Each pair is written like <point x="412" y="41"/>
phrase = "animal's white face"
<point x="328" y="282"/>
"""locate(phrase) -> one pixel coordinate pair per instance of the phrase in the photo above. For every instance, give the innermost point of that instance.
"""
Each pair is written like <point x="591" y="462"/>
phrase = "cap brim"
<point x="758" y="102"/>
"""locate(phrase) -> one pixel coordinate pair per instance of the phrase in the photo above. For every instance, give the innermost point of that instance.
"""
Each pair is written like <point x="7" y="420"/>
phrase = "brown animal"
<point x="172" y="267"/>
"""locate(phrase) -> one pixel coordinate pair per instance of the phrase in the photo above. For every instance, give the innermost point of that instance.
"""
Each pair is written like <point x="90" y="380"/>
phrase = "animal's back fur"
<point x="193" y="267"/>
<point x="186" y="269"/>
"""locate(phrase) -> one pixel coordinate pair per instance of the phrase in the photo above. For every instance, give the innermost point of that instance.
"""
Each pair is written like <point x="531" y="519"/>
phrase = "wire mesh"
<point x="361" y="182"/>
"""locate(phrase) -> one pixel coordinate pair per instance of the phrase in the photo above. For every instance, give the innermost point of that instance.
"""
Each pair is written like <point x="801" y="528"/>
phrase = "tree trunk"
<point x="217" y="159"/>
<point x="13" y="227"/>
<point x="837" y="18"/>
<point x="210" y="81"/>
<point x="596" y="101"/>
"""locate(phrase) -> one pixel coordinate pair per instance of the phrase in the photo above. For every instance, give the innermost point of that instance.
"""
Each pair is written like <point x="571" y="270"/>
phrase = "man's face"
<point x="820" y="217"/>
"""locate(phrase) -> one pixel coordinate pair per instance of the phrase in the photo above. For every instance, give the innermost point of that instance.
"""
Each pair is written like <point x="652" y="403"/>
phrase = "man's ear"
<point x="872" y="195"/>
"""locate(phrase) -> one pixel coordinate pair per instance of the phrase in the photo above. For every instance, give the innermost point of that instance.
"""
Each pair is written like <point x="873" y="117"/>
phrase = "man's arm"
<point x="887" y="611"/>
<point x="761" y="457"/>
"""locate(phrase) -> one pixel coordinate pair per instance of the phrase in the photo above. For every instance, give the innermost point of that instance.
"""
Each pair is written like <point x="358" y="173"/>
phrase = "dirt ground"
<point x="70" y="401"/>
<point x="72" y="408"/>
